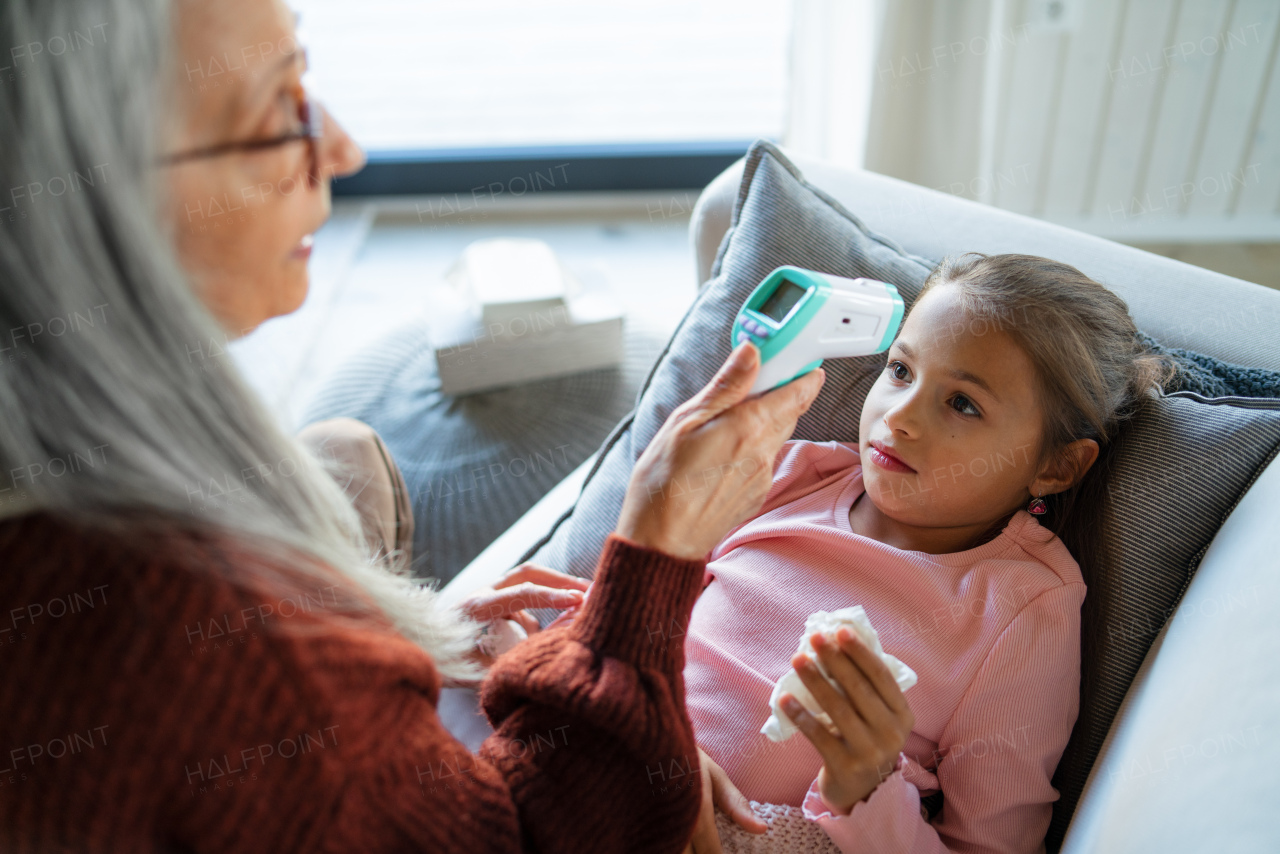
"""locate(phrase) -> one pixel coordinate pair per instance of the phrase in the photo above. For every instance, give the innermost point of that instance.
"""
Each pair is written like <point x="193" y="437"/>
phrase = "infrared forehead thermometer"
<point x="798" y="317"/>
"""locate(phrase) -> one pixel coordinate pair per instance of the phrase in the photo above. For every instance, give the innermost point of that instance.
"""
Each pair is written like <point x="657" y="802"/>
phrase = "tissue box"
<point x="508" y="279"/>
<point x="512" y="315"/>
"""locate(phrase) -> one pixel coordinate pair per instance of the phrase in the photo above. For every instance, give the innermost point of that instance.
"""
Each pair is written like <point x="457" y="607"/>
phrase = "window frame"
<point x="558" y="168"/>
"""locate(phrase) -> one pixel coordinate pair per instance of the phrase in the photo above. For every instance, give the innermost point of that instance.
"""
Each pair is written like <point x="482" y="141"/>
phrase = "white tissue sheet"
<point x="779" y="727"/>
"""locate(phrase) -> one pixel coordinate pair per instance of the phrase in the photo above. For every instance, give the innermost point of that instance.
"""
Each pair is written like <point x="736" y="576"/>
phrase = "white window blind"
<point x="409" y="75"/>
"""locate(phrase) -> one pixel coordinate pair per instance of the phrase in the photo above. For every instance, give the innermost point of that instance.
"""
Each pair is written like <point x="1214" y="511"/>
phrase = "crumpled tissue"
<point x="779" y="727"/>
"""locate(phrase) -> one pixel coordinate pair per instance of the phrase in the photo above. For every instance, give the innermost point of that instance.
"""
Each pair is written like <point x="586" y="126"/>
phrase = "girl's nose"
<point x="903" y="417"/>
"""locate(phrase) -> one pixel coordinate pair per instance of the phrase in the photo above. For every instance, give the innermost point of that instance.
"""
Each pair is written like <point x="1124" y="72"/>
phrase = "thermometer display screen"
<point x="782" y="300"/>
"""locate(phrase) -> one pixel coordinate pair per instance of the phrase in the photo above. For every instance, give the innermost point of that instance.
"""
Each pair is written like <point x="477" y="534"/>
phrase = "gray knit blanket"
<point x="1212" y="377"/>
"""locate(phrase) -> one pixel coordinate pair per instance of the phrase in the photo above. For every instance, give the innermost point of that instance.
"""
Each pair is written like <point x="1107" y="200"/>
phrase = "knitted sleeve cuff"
<point x="639" y="607"/>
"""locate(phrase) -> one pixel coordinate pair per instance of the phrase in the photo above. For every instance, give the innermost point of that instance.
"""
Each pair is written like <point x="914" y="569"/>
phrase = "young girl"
<point x="1007" y="376"/>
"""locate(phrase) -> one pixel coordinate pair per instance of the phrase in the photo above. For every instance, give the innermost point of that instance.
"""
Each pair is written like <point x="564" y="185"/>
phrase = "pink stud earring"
<point x="1037" y="507"/>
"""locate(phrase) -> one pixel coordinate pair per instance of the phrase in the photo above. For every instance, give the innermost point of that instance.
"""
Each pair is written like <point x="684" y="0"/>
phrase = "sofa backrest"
<point x="1181" y="305"/>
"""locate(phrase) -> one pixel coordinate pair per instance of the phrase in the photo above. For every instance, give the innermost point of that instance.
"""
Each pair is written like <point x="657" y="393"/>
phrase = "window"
<point x="630" y="92"/>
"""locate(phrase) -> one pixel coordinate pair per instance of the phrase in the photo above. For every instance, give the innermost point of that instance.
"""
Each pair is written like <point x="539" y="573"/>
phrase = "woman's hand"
<point x="718" y="791"/>
<point x="872" y="717"/>
<point x="526" y="586"/>
<point x="710" y="465"/>
<point x="566" y="619"/>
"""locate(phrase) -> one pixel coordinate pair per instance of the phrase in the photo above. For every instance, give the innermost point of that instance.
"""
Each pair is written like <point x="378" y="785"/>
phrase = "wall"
<point x="1143" y="120"/>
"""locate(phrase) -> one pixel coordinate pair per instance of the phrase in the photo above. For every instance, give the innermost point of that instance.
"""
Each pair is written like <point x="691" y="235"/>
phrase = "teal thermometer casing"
<point x="798" y="317"/>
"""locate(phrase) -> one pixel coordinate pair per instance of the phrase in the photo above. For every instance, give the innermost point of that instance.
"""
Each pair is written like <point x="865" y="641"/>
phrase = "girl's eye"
<point x="959" y="403"/>
<point x="965" y="406"/>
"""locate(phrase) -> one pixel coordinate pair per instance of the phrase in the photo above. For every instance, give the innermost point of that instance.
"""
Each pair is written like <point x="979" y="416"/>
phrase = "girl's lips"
<point x="886" y="460"/>
<point x="303" y="250"/>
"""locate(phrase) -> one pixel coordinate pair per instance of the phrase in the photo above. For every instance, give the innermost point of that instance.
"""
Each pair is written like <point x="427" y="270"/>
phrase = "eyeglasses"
<point x="311" y="129"/>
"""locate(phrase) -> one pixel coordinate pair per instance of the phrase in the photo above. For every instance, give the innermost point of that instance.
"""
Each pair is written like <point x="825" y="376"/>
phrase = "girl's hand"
<point x="872" y="717"/>
<point x="718" y="791"/>
<point x="710" y="465"/>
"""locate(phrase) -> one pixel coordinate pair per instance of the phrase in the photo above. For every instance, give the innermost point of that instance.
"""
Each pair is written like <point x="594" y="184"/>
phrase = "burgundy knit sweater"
<point x="157" y="695"/>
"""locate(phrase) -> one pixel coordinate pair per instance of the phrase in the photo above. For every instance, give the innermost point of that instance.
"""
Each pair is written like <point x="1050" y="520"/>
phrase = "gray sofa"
<point x="1185" y="765"/>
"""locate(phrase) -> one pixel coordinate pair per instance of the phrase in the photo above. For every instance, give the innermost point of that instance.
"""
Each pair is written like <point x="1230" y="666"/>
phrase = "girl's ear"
<point x="1066" y="469"/>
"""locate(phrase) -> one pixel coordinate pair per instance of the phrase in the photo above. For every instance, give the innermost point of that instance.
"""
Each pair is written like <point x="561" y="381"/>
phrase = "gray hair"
<point x="98" y="323"/>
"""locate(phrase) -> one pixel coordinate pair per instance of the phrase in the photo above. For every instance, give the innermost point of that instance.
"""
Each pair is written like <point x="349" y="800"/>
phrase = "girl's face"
<point x="957" y="407"/>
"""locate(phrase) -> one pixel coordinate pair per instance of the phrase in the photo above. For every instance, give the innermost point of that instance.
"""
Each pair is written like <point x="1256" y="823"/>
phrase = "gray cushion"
<point x="1166" y="498"/>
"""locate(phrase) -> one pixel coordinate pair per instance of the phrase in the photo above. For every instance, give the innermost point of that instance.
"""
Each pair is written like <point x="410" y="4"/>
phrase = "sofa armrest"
<point x="1186" y="764"/>
<point x="711" y="217"/>
<point x="503" y="553"/>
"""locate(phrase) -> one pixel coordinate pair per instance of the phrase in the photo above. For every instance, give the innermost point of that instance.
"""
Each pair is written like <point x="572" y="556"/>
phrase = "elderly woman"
<point x="253" y="673"/>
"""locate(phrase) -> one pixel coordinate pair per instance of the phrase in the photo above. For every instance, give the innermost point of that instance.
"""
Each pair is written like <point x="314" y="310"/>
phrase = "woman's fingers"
<point x="564" y="619"/>
<point x="726" y="796"/>
<point x="530" y="577"/>
<point x="710" y="465"/>
<point x="731" y="384"/>
<point x="495" y="604"/>
<point x="526" y="621"/>
<point x="783" y="406"/>
<point x="543" y="576"/>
